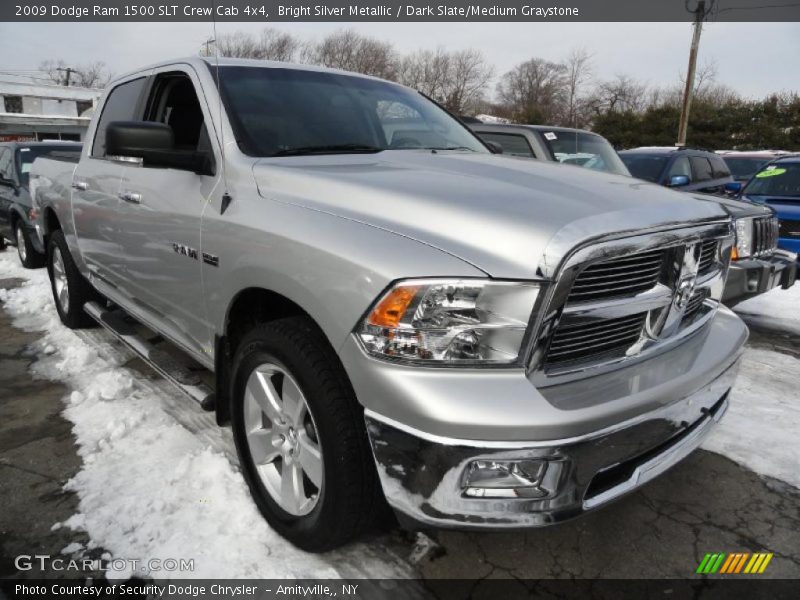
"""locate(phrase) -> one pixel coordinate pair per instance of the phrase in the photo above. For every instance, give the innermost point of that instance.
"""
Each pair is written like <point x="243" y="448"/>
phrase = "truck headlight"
<point x="450" y="321"/>
<point x="744" y="238"/>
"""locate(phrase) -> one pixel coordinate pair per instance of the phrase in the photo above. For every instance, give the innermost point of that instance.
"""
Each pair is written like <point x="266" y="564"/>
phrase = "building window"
<point x="13" y="104"/>
<point x="83" y="106"/>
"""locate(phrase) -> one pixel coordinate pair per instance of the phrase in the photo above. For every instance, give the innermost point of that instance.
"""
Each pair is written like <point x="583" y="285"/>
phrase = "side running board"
<point x="163" y="363"/>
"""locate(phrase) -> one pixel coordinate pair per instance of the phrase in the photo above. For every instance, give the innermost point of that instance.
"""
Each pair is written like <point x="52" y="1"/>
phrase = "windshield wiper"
<point x="450" y="148"/>
<point x="329" y="149"/>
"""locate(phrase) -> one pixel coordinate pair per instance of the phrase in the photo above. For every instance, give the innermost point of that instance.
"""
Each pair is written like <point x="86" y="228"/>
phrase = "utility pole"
<point x="69" y="71"/>
<point x="699" y="14"/>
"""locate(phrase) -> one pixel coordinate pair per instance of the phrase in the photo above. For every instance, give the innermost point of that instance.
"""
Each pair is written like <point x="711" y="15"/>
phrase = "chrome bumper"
<point x="424" y="476"/>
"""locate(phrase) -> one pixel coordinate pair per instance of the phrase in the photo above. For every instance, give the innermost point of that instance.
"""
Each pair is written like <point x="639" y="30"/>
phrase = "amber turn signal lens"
<point x="734" y="253"/>
<point x="393" y="306"/>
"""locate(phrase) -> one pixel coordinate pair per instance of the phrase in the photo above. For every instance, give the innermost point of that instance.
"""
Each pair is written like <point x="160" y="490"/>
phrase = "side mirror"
<point x="679" y="180"/>
<point x="154" y="143"/>
<point x="734" y="188"/>
<point x="494" y="147"/>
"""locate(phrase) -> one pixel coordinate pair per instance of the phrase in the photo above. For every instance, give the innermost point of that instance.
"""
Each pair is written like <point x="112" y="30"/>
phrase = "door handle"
<point x="132" y="197"/>
<point x="80" y="185"/>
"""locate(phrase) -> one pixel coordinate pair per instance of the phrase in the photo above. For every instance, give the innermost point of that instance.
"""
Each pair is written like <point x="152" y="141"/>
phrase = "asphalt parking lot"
<point x="706" y="504"/>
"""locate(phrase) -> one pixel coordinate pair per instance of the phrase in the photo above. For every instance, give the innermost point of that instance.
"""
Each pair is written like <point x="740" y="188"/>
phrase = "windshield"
<point x="26" y="156"/>
<point x="744" y="168"/>
<point x="781" y="179"/>
<point x="278" y="112"/>
<point x="645" y="166"/>
<point x="584" y="150"/>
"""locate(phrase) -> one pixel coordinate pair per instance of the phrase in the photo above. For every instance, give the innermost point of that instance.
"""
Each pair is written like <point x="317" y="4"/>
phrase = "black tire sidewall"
<point x="80" y="291"/>
<point x="33" y="260"/>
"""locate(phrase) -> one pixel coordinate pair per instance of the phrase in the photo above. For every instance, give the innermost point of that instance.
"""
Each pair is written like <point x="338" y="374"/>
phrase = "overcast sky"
<point x="754" y="58"/>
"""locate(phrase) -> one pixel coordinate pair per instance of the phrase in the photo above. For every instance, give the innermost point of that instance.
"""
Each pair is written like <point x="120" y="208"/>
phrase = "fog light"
<point x="509" y="478"/>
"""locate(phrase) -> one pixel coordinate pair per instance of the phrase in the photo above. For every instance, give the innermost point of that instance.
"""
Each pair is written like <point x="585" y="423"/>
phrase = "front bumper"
<point x="423" y="474"/>
<point x="754" y="276"/>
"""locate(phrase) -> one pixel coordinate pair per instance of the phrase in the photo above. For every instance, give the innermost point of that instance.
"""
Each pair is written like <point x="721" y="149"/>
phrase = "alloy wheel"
<point x="60" y="282"/>
<point x="283" y="439"/>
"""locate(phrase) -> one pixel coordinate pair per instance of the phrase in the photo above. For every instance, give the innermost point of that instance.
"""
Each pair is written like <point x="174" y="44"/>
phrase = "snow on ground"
<point x="780" y="309"/>
<point x="158" y="478"/>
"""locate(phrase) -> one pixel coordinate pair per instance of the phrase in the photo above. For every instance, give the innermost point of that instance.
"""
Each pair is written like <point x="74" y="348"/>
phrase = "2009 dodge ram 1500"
<point x="388" y="309"/>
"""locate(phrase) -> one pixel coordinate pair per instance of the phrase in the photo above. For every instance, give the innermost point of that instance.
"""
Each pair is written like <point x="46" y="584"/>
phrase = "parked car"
<point x="778" y="186"/>
<point x="17" y="214"/>
<point x="685" y="169"/>
<point x="560" y="144"/>
<point x="383" y="309"/>
<point x="743" y="165"/>
<point x="757" y="264"/>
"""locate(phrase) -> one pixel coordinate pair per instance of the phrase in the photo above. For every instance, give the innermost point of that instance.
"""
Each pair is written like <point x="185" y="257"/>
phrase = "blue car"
<point x="778" y="186"/>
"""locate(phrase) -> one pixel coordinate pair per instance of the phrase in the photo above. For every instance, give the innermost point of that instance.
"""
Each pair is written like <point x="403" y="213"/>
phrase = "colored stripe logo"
<point x="734" y="563"/>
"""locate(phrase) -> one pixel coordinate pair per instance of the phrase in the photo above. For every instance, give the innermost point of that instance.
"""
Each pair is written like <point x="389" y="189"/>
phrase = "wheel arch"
<point x="248" y="307"/>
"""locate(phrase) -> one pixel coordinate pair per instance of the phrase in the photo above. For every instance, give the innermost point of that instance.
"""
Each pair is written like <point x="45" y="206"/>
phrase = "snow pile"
<point x="778" y="309"/>
<point x="150" y="488"/>
<point x="760" y="429"/>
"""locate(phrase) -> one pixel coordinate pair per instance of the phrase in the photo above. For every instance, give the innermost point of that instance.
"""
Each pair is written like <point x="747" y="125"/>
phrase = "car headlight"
<point x="450" y="321"/>
<point x="744" y="238"/>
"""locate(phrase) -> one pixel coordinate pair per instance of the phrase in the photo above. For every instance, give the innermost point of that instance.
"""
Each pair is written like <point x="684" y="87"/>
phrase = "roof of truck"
<point x="223" y="61"/>
<point x="478" y="126"/>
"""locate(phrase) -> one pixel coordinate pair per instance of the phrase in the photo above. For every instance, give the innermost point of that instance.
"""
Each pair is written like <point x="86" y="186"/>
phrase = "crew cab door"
<point x="160" y="214"/>
<point x="95" y="188"/>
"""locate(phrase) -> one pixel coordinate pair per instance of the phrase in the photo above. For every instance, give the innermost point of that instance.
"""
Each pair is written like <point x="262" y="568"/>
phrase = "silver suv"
<point x="384" y="310"/>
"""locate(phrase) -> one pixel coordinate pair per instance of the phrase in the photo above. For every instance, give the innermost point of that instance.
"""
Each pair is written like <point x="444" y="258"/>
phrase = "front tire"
<point x="300" y="436"/>
<point x="71" y="290"/>
<point x="2" y="243"/>
<point x="28" y="255"/>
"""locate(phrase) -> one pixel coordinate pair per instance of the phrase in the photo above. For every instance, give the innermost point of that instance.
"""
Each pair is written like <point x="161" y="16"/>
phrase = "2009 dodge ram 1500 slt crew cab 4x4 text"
<point x="389" y="310"/>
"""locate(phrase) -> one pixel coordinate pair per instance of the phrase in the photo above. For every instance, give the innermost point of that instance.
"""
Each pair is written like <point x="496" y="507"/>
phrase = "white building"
<point x="32" y="110"/>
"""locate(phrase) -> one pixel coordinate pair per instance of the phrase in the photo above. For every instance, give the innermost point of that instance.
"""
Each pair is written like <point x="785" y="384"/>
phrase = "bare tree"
<point x="533" y="91"/>
<point x="579" y="70"/>
<point x="272" y="44"/>
<point x="90" y="75"/>
<point x="457" y="80"/>
<point x="621" y="94"/>
<point x="351" y="51"/>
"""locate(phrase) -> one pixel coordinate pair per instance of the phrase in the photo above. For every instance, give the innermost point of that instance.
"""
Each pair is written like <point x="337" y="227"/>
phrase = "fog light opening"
<point x="522" y="478"/>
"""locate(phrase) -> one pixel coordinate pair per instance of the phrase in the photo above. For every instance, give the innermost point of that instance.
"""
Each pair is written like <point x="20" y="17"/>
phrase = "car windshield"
<point x="26" y="156"/>
<point x="584" y="150"/>
<point x="645" y="166"/>
<point x="777" y="179"/>
<point x="744" y="168"/>
<point x="285" y="112"/>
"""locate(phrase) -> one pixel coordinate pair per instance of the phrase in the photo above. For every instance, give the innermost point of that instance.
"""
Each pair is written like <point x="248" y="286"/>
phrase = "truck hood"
<point x="736" y="207"/>
<point x="498" y="213"/>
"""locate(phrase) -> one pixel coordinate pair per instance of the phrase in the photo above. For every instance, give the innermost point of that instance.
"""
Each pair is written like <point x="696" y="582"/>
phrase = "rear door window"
<point x="701" y="169"/>
<point x="718" y="168"/>
<point x="513" y="144"/>
<point x="121" y="105"/>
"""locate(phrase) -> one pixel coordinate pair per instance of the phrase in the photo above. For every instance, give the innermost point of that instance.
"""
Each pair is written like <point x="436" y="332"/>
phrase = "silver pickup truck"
<point x="383" y="309"/>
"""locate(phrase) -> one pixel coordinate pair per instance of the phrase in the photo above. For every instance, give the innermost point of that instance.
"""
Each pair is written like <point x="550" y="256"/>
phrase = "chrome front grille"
<point x="621" y="299"/>
<point x="622" y="277"/>
<point x="708" y="254"/>
<point x="765" y="235"/>
<point x="610" y="337"/>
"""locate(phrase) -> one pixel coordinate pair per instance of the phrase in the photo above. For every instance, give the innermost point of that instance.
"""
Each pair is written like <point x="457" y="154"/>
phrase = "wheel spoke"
<point x="262" y="391"/>
<point x="292" y="494"/>
<point x="310" y="459"/>
<point x="262" y="450"/>
<point x="63" y="296"/>
<point x="294" y="406"/>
